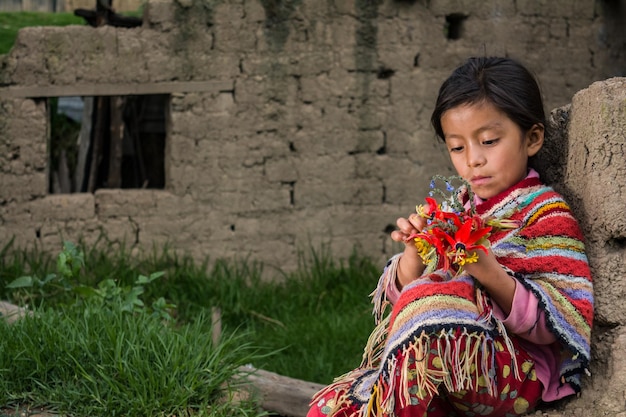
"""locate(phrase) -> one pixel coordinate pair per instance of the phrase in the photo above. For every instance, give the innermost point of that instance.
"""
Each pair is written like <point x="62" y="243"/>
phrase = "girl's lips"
<point x="479" y="180"/>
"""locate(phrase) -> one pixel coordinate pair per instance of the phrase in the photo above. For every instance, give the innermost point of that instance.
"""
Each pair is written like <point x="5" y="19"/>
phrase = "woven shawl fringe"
<point x="371" y="359"/>
<point x="466" y="362"/>
<point x="460" y="369"/>
<point x="379" y="298"/>
<point x="486" y="312"/>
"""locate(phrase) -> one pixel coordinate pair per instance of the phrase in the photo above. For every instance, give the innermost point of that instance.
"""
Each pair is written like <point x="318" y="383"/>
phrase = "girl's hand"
<point x="410" y="265"/>
<point x="407" y="227"/>
<point x="488" y="271"/>
<point x="485" y="267"/>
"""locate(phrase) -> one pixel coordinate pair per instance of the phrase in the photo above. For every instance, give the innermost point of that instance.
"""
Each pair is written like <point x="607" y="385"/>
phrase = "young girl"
<point x="507" y="331"/>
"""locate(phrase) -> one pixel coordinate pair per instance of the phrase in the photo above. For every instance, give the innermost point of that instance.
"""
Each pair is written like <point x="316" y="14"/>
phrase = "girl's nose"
<point x="475" y="157"/>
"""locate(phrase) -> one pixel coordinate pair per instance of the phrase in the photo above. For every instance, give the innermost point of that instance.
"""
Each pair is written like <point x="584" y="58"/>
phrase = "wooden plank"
<point x="11" y="312"/>
<point x="277" y="393"/>
<point x="216" y="325"/>
<point x="115" y="89"/>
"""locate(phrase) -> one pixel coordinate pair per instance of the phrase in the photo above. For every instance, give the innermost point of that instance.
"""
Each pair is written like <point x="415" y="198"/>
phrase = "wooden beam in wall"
<point x="115" y="89"/>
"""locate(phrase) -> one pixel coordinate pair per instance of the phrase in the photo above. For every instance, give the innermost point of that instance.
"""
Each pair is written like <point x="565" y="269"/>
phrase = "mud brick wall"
<point x="291" y="124"/>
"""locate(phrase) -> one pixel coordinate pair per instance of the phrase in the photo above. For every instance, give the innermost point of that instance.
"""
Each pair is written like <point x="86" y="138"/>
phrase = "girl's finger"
<point x="417" y="221"/>
<point x="405" y="226"/>
<point x="398" y="236"/>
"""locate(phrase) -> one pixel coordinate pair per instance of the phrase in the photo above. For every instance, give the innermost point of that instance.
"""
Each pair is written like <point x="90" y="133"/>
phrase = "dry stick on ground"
<point x="216" y="324"/>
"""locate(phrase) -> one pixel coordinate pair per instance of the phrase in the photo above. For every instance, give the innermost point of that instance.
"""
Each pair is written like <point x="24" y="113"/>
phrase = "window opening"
<point x="107" y="142"/>
<point x="454" y="25"/>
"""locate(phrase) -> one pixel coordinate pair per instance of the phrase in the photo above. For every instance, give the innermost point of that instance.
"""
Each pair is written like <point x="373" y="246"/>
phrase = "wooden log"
<point x="11" y="312"/>
<point x="280" y="394"/>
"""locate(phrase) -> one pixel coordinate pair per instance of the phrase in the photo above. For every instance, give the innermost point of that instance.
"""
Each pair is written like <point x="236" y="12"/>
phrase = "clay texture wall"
<point x="118" y="5"/>
<point x="291" y="124"/>
<point x="64" y="5"/>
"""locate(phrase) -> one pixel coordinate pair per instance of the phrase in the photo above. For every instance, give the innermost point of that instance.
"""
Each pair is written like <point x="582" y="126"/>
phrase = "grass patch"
<point x="12" y="22"/>
<point x="102" y="362"/>
<point x="315" y="321"/>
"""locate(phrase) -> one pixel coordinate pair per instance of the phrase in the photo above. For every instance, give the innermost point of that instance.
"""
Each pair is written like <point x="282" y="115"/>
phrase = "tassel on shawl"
<point x="455" y="359"/>
<point x="387" y="279"/>
<point x="451" y="358"/>
<point x="486" y="314"/>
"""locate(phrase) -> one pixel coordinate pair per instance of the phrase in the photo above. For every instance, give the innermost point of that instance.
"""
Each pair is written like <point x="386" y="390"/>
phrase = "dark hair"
<point x="503" y="82"/>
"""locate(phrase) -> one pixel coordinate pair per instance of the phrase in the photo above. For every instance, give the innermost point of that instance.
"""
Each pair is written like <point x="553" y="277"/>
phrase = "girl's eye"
<point x="490" y="141"/>
<point x="456" y="149"/>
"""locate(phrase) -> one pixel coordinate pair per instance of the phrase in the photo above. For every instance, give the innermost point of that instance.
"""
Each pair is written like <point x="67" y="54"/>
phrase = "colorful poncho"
<point x="545" y="254"/>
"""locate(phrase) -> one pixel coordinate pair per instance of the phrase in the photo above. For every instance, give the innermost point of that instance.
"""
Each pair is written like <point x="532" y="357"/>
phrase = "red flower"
<point x="429" y="244"/>
<point x="429" y="211"/>
<point x="467" y="238"/>
<point x="454" y="233"/>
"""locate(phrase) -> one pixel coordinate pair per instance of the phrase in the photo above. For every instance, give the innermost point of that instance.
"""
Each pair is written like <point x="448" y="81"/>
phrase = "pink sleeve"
<point x="526" y="319"/>
<point x="392" y="292"/>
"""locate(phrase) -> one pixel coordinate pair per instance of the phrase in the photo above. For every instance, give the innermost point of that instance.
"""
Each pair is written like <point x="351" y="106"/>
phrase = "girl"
<point x="507" y="331"/>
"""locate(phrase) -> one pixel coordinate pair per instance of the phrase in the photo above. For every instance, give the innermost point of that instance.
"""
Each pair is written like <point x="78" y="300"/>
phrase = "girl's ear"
<point x="535" y="136"/>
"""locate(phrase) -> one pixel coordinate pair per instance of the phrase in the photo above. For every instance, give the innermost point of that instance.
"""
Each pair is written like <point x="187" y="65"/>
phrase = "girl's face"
<point x="487" y="148"/>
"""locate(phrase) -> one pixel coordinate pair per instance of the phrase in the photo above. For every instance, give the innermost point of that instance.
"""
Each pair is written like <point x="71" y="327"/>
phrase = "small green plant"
<point x="68" y="265"/>
<point x="107" y="293"/>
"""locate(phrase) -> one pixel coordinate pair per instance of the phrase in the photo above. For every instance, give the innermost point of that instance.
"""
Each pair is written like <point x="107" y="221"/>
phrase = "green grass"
<point x="311" y="324"/>
<point x="100" y="362"/>
<point x="11" y="22"/>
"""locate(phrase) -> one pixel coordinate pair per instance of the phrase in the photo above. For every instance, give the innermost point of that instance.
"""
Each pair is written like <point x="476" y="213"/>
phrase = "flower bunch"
<point x="454" y="233"/>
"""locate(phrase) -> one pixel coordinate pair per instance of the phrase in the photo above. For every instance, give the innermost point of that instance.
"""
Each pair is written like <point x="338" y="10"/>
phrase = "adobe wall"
<point x="291" y="123"/>
<point x="308" y="123"/>
<point x="118" y="5"/>
<point x="67" y="6"/>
